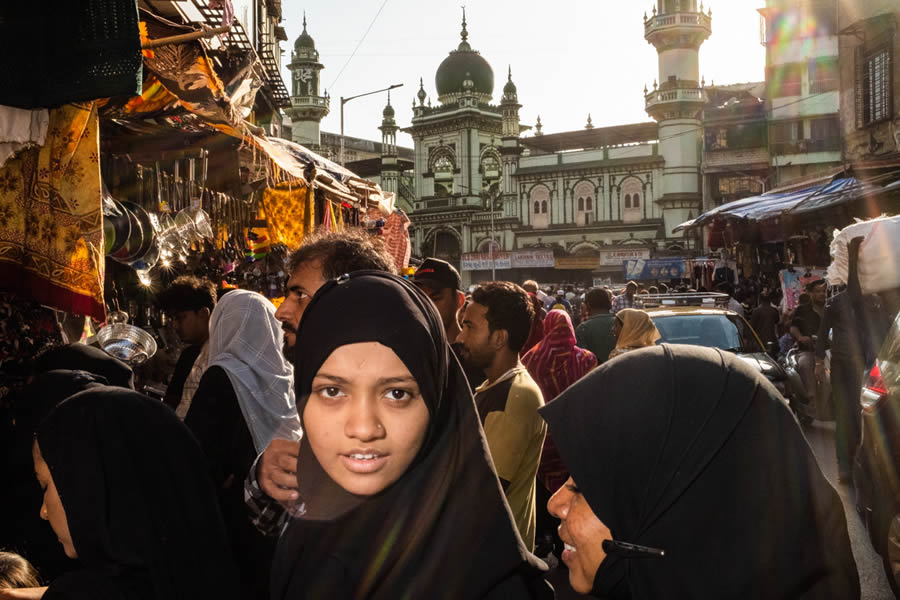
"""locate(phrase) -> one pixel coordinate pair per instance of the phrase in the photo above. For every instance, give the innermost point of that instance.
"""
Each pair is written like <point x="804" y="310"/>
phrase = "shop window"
<point x="873" y="85"/>
<point x="824" y="75"/>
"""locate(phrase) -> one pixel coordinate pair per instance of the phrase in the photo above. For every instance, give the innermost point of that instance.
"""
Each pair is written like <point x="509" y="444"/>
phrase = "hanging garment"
<point x="20" y="129"/>
<point x="290" y="212"/>
<point x="396" y="238"/>
<point x="51" y="226"/>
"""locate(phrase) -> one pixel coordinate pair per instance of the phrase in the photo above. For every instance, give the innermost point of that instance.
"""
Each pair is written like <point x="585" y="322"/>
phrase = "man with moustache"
<point x="272" y="481"/>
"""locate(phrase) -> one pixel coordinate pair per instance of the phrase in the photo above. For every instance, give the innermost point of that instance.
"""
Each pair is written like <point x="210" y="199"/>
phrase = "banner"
<point x="657" y="268"/>
<point x="615" y="258"/>
<point x="524" y="259"/>
<point x="481" y="261"/>
<point x="793" y="283"/>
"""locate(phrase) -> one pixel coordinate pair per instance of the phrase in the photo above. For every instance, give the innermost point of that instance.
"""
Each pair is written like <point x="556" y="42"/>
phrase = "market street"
<point x="871" y="573"/>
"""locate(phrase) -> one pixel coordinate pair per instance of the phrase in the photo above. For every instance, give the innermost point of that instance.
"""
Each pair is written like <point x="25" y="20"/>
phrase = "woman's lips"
<point x="568" y="552"/>
<point x="363" y="463"/>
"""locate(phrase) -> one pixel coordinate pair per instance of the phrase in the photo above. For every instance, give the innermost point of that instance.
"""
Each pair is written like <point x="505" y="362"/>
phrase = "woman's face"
<point x="365" y="419"/>
<point x="617" y="327"/>
<point x="583" y="534"/>
<point x="52" y="508"/>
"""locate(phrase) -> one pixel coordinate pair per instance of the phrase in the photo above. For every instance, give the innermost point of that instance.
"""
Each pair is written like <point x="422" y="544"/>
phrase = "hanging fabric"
<point x="290" y="213"/>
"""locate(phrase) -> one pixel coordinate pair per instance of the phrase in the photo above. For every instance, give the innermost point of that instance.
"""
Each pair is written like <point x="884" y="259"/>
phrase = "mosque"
<point x="569" y="206"/>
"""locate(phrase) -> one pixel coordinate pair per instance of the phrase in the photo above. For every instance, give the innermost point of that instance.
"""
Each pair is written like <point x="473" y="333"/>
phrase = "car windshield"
<point x="728" y="332"/>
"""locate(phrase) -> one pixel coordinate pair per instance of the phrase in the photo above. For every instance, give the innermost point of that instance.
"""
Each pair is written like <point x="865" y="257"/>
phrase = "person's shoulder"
<point x="524" y="393"/>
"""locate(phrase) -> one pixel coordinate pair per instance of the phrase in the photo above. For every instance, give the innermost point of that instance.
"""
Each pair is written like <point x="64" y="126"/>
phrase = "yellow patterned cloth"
<point x="290" y="211"/>
<point x="51" y="225"/>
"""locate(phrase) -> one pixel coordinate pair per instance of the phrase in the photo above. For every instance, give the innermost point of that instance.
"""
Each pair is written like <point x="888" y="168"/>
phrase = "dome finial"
<point x="510" y="72"/>
<point x="590" y="123"/>
<point x="304" y="21"/>
<point x="464" y="34"/>
<point x="421" y="95"/>
<point x="538" y="126"/>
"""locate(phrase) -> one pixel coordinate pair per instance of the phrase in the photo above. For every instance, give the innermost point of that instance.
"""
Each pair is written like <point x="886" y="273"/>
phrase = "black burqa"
<point x="80" y="357"/>
<point x="139" y="501"/>
<point x="21" y="528"/>
<point x="690" y="450"/>
<point x="443" y="530"/>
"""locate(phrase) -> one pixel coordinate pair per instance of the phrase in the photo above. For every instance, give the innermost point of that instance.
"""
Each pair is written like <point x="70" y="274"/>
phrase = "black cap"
<point x="437" y="273"/>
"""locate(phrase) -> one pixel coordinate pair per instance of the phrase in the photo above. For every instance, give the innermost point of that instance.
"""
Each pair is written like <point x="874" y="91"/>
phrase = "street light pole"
<point x="346" y="100"/>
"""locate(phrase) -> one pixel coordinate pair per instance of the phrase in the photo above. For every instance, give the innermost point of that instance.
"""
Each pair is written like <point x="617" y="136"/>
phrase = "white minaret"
<point x="509" y="149"/>
<point x="676" y="29"/>
<point x="390" y="170"/>
<point x="308" y="108"/>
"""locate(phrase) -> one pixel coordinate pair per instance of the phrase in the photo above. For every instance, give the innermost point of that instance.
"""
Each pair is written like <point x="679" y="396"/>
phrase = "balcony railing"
<point x="830" y="144"/>
<point x="300" y="101"/>
<point x="674" y="95"/>
<point x="672" y="20"/>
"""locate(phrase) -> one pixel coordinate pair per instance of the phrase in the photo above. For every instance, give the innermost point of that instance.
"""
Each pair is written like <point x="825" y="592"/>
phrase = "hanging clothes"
<point x="51" y="226"/>
<point x="290" y="212"/>
<point x="396" y="238"/>
<point x="20" y="129"/>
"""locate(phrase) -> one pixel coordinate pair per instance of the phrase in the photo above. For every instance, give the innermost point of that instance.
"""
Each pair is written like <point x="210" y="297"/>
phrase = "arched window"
<point x="584" y="208"/>
<point x="581" y="204"/>
<point x="540" y="198"/>
<point x="589" y="203"/>
<point x="631" y="200"/>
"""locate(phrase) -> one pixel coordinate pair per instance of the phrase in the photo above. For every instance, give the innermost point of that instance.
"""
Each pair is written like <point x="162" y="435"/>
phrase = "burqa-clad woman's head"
<point x="393" y="468"/>
<point x="691" y="451"/>
<point x="127" y="491"/>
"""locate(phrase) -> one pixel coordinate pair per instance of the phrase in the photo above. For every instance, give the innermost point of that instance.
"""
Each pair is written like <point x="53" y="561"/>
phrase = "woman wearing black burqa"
<point x="690" y="451"/>
<point x="128" y="493"/>
<point x="399" y="496"/>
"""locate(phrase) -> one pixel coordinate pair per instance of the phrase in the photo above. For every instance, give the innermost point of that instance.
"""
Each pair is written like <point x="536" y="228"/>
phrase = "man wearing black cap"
<point x="441" y="282"/>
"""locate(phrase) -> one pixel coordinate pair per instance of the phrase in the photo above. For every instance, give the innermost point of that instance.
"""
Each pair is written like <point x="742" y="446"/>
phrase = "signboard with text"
<point x="517" y="259"/>
<point x="525" y="259"/>
<point x="658" y="268"/>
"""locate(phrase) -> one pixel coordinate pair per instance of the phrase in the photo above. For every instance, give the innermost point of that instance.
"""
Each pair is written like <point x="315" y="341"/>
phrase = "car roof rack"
<point x="701" y="299"/>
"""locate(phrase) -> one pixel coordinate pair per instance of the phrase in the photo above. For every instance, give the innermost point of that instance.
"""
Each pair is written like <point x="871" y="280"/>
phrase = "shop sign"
<point x="481" y="261"/>
<point x="577" y="262"/>
<point x="524" y="259"/>
<point x="658" y="268"/>
<point x="615" y="258"/>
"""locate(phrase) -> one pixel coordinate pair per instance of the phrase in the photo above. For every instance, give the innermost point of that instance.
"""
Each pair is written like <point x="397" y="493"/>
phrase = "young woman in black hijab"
<point x="691" y="454"/>
<point x="128" y="493"/>
<point x="399" y="496"/>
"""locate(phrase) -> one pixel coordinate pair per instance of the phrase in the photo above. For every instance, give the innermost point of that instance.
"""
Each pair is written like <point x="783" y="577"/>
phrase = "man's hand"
<point x="820" y="371"/>
<point x="277" y="471"/>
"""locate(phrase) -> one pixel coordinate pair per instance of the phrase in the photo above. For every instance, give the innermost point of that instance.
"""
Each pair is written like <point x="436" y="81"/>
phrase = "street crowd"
<point x="382" y="438"/>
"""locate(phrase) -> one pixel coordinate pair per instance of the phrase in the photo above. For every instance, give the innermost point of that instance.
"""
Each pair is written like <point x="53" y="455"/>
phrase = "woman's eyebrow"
<point x="334" y="378"/>
<point x="399" y="379"/>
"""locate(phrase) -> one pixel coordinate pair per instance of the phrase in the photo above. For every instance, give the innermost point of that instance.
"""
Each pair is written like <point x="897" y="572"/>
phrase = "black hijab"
<point x="690" y="450"/>
<point x="81" y="357"/>
<point x="443" y="530"/>
<point x="140" y="505"/>
<point x="21" y="527"/>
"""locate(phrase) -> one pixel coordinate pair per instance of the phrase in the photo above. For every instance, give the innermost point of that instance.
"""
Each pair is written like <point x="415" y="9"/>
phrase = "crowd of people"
<point x="378" y="438"/>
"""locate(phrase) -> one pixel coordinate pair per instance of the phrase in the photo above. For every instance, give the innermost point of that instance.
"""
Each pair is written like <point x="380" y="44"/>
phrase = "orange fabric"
<point x="289" y="209"/>
<point x="51" y="225"/>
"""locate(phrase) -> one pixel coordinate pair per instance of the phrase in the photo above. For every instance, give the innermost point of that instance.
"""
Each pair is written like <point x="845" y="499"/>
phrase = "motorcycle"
<point x="820" y="407"/>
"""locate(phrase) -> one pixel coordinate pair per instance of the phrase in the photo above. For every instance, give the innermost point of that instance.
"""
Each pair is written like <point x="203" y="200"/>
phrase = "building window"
<point x="873" y="86"/>
<point x="544" y="207"/>
<point x="631" y="200"/>
<point x="589" y="203"/>
<point x="824" y="75"/>
<point x="537" y="207"/>
<point x="786" y="80"/>
<point x="540" y="200"/>
<point x="787" y="137"/>
<point x="825" y="135"/>
<point x="580" y="204"/>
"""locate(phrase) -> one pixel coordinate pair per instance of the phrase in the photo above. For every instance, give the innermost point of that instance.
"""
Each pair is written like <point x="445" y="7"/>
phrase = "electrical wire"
<point x="361" y="40"/>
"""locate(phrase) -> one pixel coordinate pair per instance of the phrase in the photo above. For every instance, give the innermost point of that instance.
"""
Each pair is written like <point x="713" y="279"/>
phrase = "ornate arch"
<point x="584" y="248"/>
<point x="441" y="152"/>
<point x="442" y="229"/>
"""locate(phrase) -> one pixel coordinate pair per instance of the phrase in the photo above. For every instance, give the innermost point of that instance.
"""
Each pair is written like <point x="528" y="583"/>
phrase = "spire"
<point x="537" y="126"/>
<point x="464" y="34"/>
<point x="510" y="73"/>
<point x="590" y="124"/>
<point x="304" y="21"/>
<point x="421" y="95"/>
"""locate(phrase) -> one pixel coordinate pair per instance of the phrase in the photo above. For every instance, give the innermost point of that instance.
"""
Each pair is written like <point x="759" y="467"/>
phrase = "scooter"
<point x="820" y="408"/>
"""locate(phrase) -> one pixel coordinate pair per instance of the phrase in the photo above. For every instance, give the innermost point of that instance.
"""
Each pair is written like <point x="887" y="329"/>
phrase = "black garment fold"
<point x="138" y="498"/>
<point x="81" y="357"/>
<point x="443" y="530"/>
<point x="690" y="450"/>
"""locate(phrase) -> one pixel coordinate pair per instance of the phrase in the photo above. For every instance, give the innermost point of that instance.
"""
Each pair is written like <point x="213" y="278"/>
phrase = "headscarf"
<point x="21" y="527"/>
<point x="638" y="331"/>
<point x="555" y="364"/>
<point x="443" y="530"/>
<point x="245" y="340"/>
<point x="139" y="501"/>
<point x="81" y="357"/>
<point x="690" y="450"/>
<point x="537" y="329"/>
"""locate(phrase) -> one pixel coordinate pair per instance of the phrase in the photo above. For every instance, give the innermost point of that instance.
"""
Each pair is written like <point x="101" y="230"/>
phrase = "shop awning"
<point x="776" y="203"/>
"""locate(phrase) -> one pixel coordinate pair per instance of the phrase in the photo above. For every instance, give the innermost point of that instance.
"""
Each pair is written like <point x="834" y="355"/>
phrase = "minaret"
<point x="509" y="148"/>
<point x="308" y="107"/>
<point x="390" y="170"/>
<point x="677" y="29"/>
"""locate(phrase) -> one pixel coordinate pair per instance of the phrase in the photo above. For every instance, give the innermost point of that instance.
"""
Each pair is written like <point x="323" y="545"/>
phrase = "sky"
<point x="568" y="57"/>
